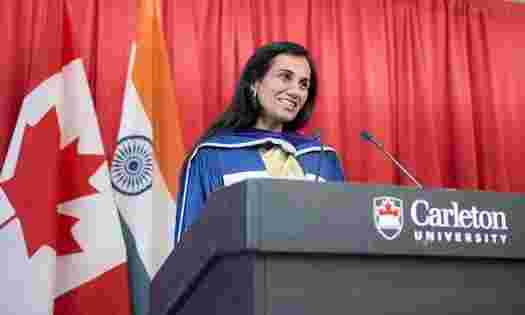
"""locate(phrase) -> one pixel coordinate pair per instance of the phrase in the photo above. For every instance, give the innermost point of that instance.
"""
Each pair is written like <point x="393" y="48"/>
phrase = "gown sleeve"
<point x="331" y="169"/>
<point x="201" y="177"/>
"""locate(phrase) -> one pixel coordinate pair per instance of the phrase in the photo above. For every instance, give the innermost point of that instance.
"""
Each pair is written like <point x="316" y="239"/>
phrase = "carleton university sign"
<point x="459" y="223"/>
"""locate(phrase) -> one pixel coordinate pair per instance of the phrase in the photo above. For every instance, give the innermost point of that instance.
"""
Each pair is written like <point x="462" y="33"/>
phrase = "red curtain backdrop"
<point x="437" y="81"/>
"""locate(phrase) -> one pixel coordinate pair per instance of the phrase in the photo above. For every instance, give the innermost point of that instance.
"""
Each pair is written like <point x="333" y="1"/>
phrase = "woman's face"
<point x="283" y="91"/>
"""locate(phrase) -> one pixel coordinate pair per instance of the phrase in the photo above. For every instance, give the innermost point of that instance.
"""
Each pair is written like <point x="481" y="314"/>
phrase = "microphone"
<point x="368" y="137"/>
<point x="317" y="135"/>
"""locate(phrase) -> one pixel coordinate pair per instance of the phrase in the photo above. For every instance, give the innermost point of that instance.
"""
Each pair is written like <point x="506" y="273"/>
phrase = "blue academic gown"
<point x="231" y="157"/>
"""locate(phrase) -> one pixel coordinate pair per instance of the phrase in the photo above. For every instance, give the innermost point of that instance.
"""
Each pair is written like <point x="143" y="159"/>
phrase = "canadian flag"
<point x="60" y="234"/>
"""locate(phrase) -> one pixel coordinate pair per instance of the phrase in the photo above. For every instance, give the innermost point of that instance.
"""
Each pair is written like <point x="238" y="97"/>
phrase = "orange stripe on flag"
<point x="155" y="87"/>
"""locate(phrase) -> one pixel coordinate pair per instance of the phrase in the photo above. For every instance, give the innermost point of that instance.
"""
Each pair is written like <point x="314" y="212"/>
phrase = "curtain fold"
<point x="21" y="68"/>
<point x="104" y="31"/>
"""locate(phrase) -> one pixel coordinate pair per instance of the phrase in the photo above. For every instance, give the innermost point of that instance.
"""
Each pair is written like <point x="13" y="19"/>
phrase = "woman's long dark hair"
<point x="244" y="109"/>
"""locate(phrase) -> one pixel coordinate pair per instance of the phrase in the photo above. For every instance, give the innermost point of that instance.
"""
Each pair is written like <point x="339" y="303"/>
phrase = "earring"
<point x="255" y="102"/>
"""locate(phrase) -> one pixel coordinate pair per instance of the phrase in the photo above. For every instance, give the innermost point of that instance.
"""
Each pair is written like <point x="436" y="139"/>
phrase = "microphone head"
<point x="366" y="136"/>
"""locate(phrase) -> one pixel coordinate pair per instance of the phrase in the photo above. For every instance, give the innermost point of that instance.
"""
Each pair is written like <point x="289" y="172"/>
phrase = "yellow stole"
<point x="280" y="163"/>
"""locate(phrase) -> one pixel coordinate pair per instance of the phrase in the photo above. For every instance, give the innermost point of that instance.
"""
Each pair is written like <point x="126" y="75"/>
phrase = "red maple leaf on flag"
<point x="46" y="176"/>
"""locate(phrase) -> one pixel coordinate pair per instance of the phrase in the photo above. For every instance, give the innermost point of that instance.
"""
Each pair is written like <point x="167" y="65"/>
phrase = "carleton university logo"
<point x="388" y="216"/>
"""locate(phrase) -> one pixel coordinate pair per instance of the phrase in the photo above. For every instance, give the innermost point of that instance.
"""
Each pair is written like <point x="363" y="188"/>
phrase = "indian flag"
<point x="149" y="153"/>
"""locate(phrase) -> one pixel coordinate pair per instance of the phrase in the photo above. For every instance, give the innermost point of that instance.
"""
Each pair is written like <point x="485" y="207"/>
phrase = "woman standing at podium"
<point x="257" y="135"/>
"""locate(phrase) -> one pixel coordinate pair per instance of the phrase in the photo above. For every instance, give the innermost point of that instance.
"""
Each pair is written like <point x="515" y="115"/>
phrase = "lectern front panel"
<point x="284" y="284"/>
<point x="341" y="285"/>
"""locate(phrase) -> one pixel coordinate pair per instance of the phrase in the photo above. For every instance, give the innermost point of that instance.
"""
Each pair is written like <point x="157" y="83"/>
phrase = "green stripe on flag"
<point x="139" y="280"/>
